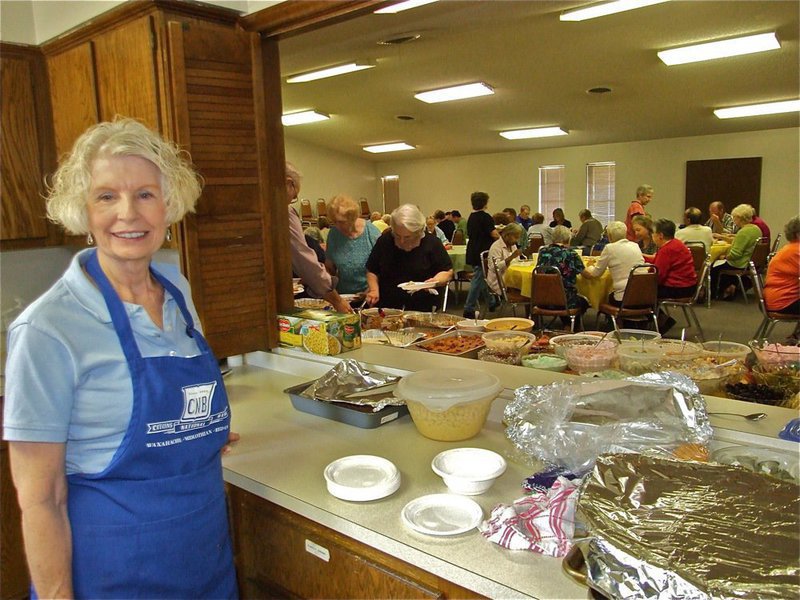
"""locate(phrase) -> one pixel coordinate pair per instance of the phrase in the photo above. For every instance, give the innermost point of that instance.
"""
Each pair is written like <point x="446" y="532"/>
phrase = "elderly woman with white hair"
<point x="501" y="253"/>
<point x="107" y="375"/>
<point x="568" y="262"/>
<point x="349" y="244"/>
<point x="406" y="252"/>
<point x="619" y="256"/>
<point x="744" y="242"/>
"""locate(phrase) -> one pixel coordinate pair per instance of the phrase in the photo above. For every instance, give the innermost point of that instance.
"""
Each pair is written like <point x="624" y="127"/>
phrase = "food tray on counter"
<point x="450" y="343"/>
<point x="344" y="412"/>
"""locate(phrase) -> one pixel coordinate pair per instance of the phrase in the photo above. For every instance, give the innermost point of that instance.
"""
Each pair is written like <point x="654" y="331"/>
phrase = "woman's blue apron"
<point x="154" y="523"/>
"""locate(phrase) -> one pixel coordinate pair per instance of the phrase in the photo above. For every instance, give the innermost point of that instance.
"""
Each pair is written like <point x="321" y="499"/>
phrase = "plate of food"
<point x="317" y="303"/>
<point x="415" y="286"/>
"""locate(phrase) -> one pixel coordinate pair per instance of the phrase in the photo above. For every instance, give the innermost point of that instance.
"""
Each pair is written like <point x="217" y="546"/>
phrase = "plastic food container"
<point x="509" y="324"/>
<point x="473" y="324"/>
<point x="677" y="352"/>
<point x="508" y="341"/>
<point x="500" y="356"/>
<point x="591" y="356"/>
<point x="449" y="405"/>
<point x="726" y="350"/>
<point x="560" y="343"/>
<point x="381" y="318"/>
<point x="468" y="471"/>
<point x="544" y="362"/>
<point x="771" y="355"/>
<point x="629" y="336"/>
<point x="639" y="358"/>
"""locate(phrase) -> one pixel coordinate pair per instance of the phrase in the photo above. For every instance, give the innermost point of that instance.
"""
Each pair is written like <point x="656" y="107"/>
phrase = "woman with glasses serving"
<point x="406" y="252"/>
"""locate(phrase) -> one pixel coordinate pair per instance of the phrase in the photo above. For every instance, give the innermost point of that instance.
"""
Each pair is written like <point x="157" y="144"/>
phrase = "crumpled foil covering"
<point x="674" y="529"/>
<point x="570" y="423"/>
<point x="350" y="377"/>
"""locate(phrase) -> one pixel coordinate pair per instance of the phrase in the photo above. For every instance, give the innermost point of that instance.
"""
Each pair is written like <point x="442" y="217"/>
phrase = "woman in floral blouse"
<point x="569" y="263"/>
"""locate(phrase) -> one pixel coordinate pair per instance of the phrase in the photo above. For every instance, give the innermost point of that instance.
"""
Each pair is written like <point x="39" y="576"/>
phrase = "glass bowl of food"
<point x="560" y="343"/>
<point x="594" y="355"/>
<point x="772" y="355"/>
<point x="638" y="358"/>
<point x="725" y="351"/>
<point x="677" y="353"/>
<point x="508" y="341"/>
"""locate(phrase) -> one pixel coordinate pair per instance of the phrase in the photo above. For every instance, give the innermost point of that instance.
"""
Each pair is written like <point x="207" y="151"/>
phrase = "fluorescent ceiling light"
<point x="301" y="118"/>
<point x="330" y="71"/>
<point x="754" y="110"/>
<point x="458" y="92"/>
<point x="395" y="147"/>
<point x="722" y="49"/>
<point x="606" y="8"/>
<point x="408" y="4"/>
<point x="538" y="132"/>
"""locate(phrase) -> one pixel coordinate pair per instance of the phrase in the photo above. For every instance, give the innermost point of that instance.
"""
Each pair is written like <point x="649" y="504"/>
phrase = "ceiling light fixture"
<point x="606" y="8"/>
<point x="754" y="110"/>
<point x="400" y="7"/>
<point x="303" y="117"/>
<point x="331" y="71"/>
<point x="538" y="132"/>
<point x="458" y="92"/>
<point x="722" y="49"/>
<point x="393" y="147"/>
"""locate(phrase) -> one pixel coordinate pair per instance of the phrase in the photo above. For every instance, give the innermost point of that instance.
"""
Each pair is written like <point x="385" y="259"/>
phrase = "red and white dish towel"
<point x="543" y="522"/>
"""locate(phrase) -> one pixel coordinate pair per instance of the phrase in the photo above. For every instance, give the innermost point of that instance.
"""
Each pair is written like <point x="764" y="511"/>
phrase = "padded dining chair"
<point x="459" y="279"/>
<point x="365" y="212"/>
<point x="640" y="299"/>
<point x="687" y="304"/>
<point x="322" y="208"/>
<point x="759" y="260"/>
<point x="549" y="298"/>
<point x="535" y="241"/>
<point x="771" y="318"/>
<point x="306" y="214"/>
<point x="458" y="238"/>
<point x="699" y="256"/>
<point x="508" y="297"/>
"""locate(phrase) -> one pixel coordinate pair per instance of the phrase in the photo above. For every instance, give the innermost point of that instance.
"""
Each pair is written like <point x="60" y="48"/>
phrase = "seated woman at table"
<point x="569" y="263"/>
<point x="540" y="228"/>
<point x="349" y="244"/>
<point x="619" y="256"/>
<point x="782" y="288"/>
<point x="676" y="275"/>
<point x="744" y="242"/>
<point x="559" y="219"/>
<point x="643" y="230"/>
<point x="405" y="252"/>
<point x="502" y="252"/>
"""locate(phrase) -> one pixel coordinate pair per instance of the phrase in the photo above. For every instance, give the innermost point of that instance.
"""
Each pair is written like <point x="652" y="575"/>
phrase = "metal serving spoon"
<point x="751" y="417"/>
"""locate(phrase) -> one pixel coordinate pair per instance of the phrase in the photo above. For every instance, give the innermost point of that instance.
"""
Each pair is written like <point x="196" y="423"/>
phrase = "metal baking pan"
<point x="344" y="412"/>
<point x="428" y="346"/>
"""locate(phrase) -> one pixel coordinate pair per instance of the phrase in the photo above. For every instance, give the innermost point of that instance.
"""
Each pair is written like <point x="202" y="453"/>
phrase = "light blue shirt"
<point x="67" y="380"/>
<point x="350" y="257"/>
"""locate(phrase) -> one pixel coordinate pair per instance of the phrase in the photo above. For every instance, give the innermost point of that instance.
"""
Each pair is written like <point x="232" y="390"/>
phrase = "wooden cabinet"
<point x="280" y="554"/>
<point x="26" y="149"/>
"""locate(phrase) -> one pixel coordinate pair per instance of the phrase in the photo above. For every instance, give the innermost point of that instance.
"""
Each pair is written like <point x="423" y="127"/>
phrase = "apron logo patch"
<point x="197" y="400"/>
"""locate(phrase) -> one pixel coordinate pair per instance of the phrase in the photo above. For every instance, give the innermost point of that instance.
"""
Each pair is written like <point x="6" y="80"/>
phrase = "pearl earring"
<point x="90" y="239"/>
<point x="169" y="234"/>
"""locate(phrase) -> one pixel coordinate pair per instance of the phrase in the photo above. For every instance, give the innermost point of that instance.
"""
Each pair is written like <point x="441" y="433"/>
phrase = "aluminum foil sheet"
<point x="674" y="529"/>
<point x="570" y="423"/>
<point x="351" y="382"/>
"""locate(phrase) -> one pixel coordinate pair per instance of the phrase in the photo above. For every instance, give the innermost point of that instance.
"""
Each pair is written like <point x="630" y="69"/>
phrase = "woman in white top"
<point x="503" y="251"/>
<point x="619" y="256"/>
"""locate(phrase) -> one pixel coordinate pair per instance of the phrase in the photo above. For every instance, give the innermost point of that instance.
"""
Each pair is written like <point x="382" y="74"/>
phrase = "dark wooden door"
<point x="731" y="181"/>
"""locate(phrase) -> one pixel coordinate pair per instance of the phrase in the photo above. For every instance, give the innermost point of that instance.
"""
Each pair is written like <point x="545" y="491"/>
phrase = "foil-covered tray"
<point x="353" y="414"/>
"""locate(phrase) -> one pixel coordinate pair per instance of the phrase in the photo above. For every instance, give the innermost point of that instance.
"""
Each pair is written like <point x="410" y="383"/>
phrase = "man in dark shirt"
<point x="481" y="234"/>
<point x="446" y="225"/>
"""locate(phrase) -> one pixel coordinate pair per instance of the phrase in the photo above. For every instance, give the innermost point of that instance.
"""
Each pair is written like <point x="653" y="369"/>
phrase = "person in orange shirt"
<point x="644" y="194"/>
<point x="782" y="288"/>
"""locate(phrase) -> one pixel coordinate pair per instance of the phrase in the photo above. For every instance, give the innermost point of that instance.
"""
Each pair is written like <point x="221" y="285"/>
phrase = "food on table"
<point x="509" y="323"/>
<point x="755" y="392"/>
<point x="773" y="355"/>
<point x="508" y="341"/>
<point x="457" y="344"/>
<point x="545" y="362"/>
<point x="639" y="358"/>
<point x="697" y="452"/>
<point x="313" y="303"/>
<point x="382" y="318"/>
<point x="591" y="356"/>
<point x="499" y="356"/>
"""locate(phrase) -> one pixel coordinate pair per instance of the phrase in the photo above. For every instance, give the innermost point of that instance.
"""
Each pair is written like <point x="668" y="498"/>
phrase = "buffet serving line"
<point x="466" y="537"/>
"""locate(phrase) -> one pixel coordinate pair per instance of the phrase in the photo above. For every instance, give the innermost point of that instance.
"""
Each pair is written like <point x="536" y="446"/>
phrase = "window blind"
<point x="551" y="189"/>
<point x="601" y="190"/>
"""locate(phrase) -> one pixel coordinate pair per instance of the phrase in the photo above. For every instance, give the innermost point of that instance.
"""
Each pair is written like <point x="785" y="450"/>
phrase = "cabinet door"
<point x="125" y="62"/>
<point x="23" y="210"/>
<point x="72" y="94"/>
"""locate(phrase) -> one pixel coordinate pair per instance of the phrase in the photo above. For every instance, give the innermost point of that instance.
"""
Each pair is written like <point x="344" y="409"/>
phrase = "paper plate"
<point x="361" y="478"/>
<point x="413" y="286"/>
<point x="442" y="514"/>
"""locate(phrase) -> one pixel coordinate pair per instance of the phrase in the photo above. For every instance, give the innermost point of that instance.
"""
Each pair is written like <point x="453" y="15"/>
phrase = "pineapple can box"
<point x="320" y="331"/>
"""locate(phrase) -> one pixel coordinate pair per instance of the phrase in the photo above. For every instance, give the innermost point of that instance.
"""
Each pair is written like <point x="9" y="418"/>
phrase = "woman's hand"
<point x="373" y="296"/>
<point x="233" y="437"/>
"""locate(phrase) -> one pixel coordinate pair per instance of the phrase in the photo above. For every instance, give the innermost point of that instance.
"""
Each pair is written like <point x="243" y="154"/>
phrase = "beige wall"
<point x="327" y="173"/>
<point x="511" y="178"/>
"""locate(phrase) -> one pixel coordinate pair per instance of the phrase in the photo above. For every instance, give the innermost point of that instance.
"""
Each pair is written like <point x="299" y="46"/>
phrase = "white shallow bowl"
<point x="473" y="324"/>
<point x="442" y="514"/>
<point x="361" y="478"/>
<point x="468" y="471"/>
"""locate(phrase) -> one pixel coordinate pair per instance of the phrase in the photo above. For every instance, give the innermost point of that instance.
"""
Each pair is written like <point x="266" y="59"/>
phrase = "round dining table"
<point x="596" y="289"/>
<point x="458" y="256"/>
<point x="718" y="249"/>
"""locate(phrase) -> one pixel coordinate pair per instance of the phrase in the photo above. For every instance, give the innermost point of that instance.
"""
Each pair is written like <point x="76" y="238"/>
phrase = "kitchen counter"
<point x="283" y="452"/>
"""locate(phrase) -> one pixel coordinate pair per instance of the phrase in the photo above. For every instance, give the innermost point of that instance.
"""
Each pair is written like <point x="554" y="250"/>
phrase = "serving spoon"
<point x="751" y="417"/>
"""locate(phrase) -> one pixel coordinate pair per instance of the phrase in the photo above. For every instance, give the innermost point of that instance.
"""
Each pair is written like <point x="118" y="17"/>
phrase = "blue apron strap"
<point x="187" y="316"/>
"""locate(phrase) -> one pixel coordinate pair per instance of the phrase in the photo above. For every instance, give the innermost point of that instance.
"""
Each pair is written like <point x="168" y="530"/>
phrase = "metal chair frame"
<point x="547" y="289"/>
<point x="687" y="304"/>
<point x="758" y="258"/>
<point x="506" y="299"/>
<point x="634" y="296"/>
<point x="699" y="264"/>
<point x="771" y="318"/>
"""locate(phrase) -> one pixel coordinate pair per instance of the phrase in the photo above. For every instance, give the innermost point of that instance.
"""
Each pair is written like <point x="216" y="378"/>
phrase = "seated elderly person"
<point x="350" y="243"/>
<point x="676" y="275"/>
<point x="404" y="253"/>
<point x="502" y="251"/>
<point x="744" y="242"/>
<point x="376" y="219"/>
<point x="782" y="288"/>
<point x="432" y="227"/>
<point x="694" y="231"/>
<point x="589" y="233"/>
<point x="568" y="262"/>
<point x="620" y="255"/>
<point x="539" y="228"/>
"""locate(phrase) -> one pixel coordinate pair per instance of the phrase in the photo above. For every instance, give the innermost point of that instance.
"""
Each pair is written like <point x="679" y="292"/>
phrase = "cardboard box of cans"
<point x="319" y="331"/>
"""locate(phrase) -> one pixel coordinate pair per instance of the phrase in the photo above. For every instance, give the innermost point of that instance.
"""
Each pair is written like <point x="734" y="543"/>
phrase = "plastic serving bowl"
<point x="450" y="405"/>
<point x="509" y="324"/>
<point x="630" y="336"/>
<point x="677" y="352"/>
<point x="508" y="341"/>
<point x="591" y="356"/>
<point x="639" y="358"/>
<point x="771" y="355"/>
<point x="560" y="343"/>
<point x="468" y="471"/>
<point x="544" y="362"/>
<point x="473" y="324"/>
<point x="726" y="350"/>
